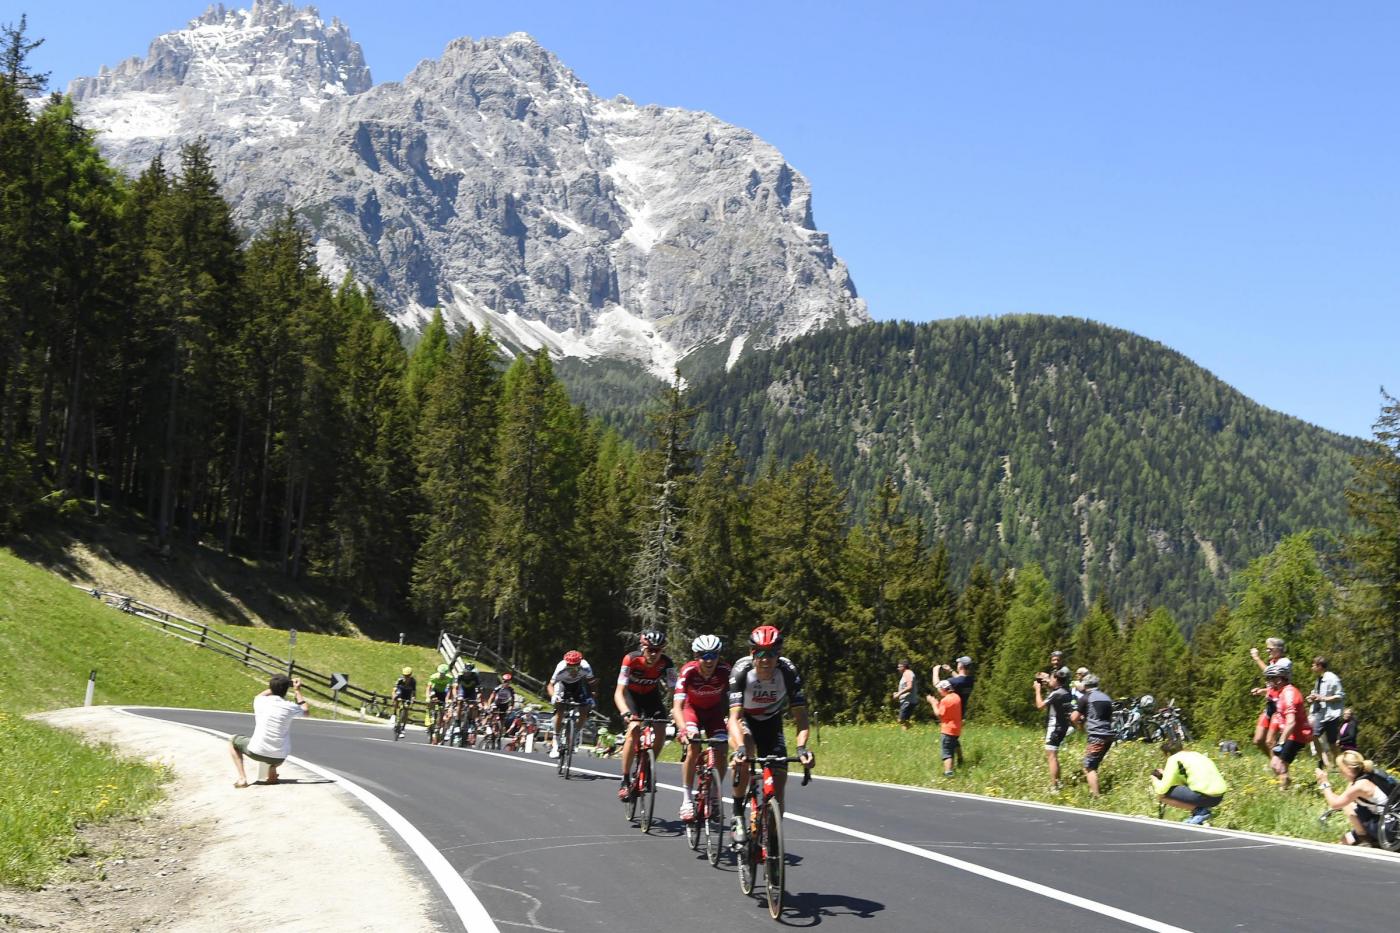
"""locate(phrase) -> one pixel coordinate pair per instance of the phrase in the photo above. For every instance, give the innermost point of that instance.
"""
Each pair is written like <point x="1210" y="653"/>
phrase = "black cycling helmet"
<point x="654" y="638"/>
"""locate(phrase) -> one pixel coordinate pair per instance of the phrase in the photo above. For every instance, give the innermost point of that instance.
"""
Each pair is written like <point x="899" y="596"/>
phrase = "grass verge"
<point x="1009" y="762"/>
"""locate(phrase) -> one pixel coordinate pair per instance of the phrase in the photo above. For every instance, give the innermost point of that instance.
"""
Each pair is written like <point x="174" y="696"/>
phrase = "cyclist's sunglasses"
<point x="650" y="649"/>
<point x="765" y="652"/>
<point x="708" y="655"/>
<point x="571" y="667"/>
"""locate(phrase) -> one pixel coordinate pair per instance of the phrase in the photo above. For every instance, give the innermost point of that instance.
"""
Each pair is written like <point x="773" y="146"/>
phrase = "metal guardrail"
<point x="197" y="633"/>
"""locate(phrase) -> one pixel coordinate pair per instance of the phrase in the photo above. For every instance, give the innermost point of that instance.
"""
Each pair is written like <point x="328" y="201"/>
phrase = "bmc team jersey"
<point x="763" y="698"/>
<point x="562" y="674"/>
<point x="1290" y="700"/>
<point x="696" y="690"/>
<point x="503" y="697"/>
<point x="642" y="678"/>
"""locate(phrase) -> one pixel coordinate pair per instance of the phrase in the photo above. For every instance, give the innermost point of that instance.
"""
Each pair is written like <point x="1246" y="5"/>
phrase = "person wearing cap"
<point x="1266" y="729"/>
<point x="1095" y="711"/>
<point x="947" y="709"/>
<point x="1188" y="781"/>
<point x="962" y="682"/>
<point x="1057" y="661"/>
<point x="904" y="694"/>
<point x="1057" y="705"/>
<point x="1295" y="730"/>
<point x="1076" y="686"/>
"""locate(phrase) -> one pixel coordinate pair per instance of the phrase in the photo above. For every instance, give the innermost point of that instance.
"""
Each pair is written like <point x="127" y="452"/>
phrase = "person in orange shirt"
<point x="947" y="709"/>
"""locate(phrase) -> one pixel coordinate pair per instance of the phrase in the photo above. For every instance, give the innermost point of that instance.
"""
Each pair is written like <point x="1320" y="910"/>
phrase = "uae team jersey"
<point x="764" y="698"/>
<point x="639" y="677"/>
<point x="562" y="674"/>
<point x="696" y="690"/>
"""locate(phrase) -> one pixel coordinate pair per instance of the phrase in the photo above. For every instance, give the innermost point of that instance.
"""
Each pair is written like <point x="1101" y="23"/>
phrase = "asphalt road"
<point x="544" y="854"/>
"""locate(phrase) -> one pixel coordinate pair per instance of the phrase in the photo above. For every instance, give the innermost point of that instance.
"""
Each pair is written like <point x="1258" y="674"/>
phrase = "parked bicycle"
<point x="642" y="781"/>
<point x="1169" y="723"/>
<point x="569" y="735"/>
<point x="709" y="803"/>
<point x="1130" y="717"/>
<point x="763" y="816"/>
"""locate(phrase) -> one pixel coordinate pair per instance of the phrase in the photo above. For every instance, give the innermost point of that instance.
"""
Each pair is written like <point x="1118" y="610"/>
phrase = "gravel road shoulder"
<point x="300" y="856"/>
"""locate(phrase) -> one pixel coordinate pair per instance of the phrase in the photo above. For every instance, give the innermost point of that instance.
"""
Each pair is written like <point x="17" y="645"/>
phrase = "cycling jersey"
<point x="1097" y="709"/>
<point x="1057" y="709"/>
<point x="693" y="688"/>
<point x="563" y="675"/>
<point x="503" y="697"/>
<point x="1192" y="769"/>
<point x="468" y="683"/>
<point x="761" y="697"/>
<point x="406" y="688"/>
<point x="1290" y="700"/>
<point x="642" y="678"/>
<point x="438" y="683"/>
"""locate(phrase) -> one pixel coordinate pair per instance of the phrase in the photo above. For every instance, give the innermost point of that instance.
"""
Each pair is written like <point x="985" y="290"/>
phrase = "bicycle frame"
<point x="765" y="832"/>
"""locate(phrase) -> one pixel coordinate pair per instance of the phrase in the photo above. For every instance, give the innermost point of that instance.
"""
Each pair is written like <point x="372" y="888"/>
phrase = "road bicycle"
<point x="641" y="782"/>
<point x="764" y="819"/>
<point x="709" y="804"/>
<point x="401" y="718"/>
<point x="432" y="721"/>
<point x="569" y="735"/>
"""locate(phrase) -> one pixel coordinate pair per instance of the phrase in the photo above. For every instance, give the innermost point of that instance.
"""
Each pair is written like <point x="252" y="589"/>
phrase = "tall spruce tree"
<point x="457" y="461"/>
<point x="1032" y="621"/>
<point x="1098" y="645"/>
<point x="1155" y="660"/>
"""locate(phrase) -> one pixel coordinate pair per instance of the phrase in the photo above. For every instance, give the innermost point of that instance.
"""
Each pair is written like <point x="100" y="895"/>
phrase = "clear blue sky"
<point x="1222" y="177"/>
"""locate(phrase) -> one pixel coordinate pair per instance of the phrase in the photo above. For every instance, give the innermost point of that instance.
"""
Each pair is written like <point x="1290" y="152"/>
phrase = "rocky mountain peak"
<point x="491" y="182"/>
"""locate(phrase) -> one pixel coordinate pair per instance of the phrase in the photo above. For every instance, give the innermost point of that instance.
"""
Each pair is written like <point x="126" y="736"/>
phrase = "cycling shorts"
<point x="438" y="696"/>
<point x="649" y="705"/>
<point x="1095" y="751"/>
<point x="713" y="721"/>
<point x="1055" y="735"/>
<point x="768" y="738"/>
<point x="576" y="692"/>
<point x="502" y="708"/>
<point x="1289" y="750"/>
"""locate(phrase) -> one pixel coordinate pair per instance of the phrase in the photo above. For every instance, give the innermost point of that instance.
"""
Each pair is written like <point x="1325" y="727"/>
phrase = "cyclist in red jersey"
<point x="697" y="704"/>
<point x="639" y="695"/>
<point x="761" y="688"/>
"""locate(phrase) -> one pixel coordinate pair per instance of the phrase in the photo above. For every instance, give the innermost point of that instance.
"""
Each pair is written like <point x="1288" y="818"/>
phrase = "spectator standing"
<point x="1057" y="661"/>
<point x="1326" y="711"/>
<point x="1346" y="735"/>
<point x="1095" y="710"/>
<point x="1266" y="729"/>
<point x="1295" y="731"/>
<point x="904" y="694"/>
<point x="948" y="709"/>
<point x="1188" y="781"/>
<point x="271" y="741"/>
<point x="962" y="683"/>
<point x="1076" y="687"/>
<point x="1058" y="704"/>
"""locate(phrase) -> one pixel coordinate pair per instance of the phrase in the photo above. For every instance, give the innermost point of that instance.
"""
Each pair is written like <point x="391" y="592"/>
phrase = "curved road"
<point x="547" y="855"/>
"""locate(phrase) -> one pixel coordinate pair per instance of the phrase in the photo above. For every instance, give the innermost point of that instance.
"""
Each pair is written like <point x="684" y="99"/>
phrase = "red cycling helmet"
<point x="766" y="636"/>
<point x="506" y="678"/>
<point x="573" y="657"/>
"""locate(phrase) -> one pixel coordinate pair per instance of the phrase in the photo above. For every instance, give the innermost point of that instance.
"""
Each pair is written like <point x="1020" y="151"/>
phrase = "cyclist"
<point x="697" y="704"/>
<point x="638" y="695"/>
<point x="462" y="697"/>
<point x="435" y="694"/>
<point x="568" y="684"/>
<point x="1294" y="728"/>
<point x="468" y="685"/>
<point x="503" y="697"/>
<point x="761" y="688"/>
<point x="405" y="689"/>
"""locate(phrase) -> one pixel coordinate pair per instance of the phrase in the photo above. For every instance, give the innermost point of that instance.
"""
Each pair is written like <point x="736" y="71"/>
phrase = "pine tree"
<point x="1031" y="625"/>
<point x="1097" y="644"/>
<point x="981" y="614"/>
<point x="1155" y="660"/>
<point x="457" y="462"/>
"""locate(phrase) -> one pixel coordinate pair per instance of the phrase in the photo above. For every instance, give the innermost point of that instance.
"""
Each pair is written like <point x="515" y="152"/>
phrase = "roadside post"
<point x="92" y="684"/>
<point x="291" y="645"/>
<point x="338" y="683"/>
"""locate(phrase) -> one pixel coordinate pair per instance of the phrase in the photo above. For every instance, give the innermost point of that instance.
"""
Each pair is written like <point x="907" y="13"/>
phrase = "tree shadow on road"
<point x="808" y="908"/>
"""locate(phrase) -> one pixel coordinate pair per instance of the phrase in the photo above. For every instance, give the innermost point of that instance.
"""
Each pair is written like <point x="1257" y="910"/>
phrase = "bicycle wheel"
<point x="774" y="864"/>
<point x="1388" y="830"/>
<point x="714" y="819"/>
<point x="566" y="754"/>
<point x="699" y="813"/>
<point x="630" y="805"/>
<point x="649" y="791"/>
<point x="748" y="852"/>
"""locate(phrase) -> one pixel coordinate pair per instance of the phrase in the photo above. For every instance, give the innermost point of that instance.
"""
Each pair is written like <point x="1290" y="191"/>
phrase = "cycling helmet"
<point x="469" y="666"/>
<point x="506" y="677"/>
<point x="766" y="636"/>
<point x="1146" y="701"/>
<point x="408" y="671"/>
<point x="573" y="657"/>
<point x="654" y="638"/>
<point x="706" y="643"/>
<point x="1277" y="670"/>
<point x="442" y="668"/>
<point x="1063" y="673"/>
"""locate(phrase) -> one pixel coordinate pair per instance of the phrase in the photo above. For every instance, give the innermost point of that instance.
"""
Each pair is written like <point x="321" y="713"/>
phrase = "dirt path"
<point x="214" y="859"/>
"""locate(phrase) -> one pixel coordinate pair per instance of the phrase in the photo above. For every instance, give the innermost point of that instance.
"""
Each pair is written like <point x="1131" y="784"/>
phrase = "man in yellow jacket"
<point x="1188" y="781"/>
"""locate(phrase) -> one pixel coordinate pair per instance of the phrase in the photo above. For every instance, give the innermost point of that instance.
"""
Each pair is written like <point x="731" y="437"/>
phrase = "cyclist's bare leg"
<point x="1052" y="759"/>
<point x="629" y="748"/>
<point x="688" y="764"/>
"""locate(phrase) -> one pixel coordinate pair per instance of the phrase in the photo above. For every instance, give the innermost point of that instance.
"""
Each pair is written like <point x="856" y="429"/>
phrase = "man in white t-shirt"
<point x="271" y="741"/>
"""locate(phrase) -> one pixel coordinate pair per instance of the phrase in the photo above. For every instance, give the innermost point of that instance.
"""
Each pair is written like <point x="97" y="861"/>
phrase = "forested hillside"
<point x="1118" y="464"/>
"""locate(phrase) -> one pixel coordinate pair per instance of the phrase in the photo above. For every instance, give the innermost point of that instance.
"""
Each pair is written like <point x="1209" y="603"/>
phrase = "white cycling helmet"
<point x="706" y="643"/>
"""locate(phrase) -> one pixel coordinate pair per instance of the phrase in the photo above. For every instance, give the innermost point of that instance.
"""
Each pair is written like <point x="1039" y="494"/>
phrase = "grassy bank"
<point x="1008" y="761"/>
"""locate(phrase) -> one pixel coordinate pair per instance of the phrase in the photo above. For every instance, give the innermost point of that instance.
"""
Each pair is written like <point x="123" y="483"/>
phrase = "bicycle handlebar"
<point x="784" y="759"/>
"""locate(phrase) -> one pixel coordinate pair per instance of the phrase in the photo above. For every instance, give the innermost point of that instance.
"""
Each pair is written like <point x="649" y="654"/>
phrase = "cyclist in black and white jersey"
<point x="762" y="687"/>
<point x="1058" y="705"/>
<point x="569" y="683"/>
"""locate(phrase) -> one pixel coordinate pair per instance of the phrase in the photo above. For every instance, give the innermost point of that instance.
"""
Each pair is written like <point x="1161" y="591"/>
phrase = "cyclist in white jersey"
<point x="570" y="682"/>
